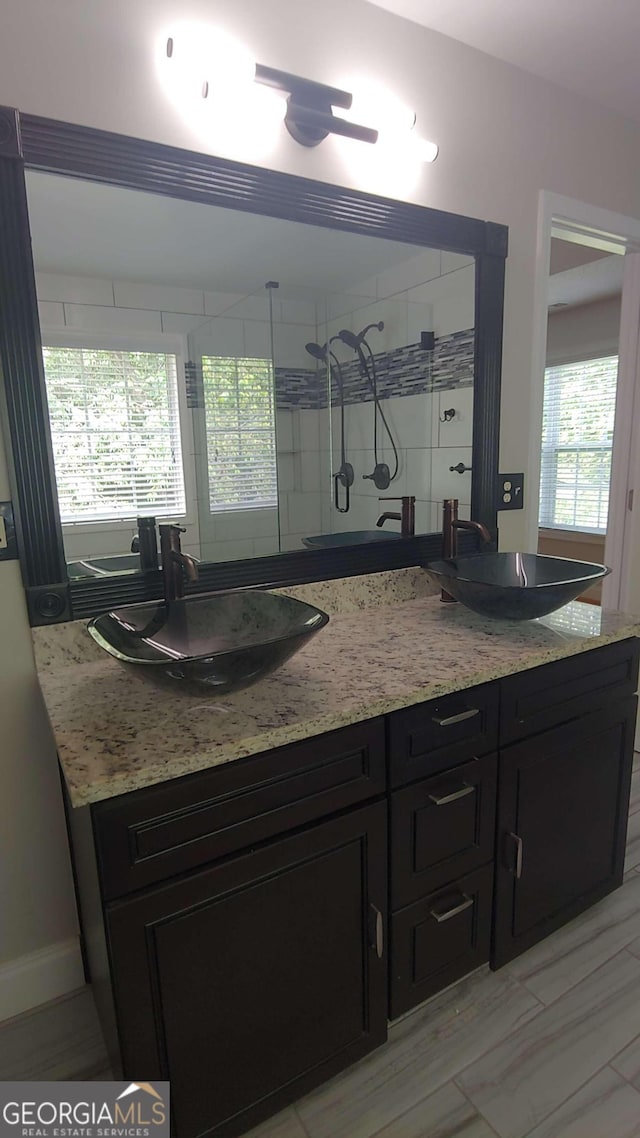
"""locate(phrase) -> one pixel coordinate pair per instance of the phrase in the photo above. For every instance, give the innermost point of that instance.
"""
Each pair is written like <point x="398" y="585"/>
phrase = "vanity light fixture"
<point x="309" y="107"/>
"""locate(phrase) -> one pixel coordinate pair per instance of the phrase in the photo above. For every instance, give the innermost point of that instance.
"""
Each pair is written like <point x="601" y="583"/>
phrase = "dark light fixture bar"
<point x="310" y="118"/>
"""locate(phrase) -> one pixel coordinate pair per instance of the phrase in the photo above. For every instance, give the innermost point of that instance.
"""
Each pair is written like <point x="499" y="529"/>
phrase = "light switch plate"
<point x="510" y="495"/>
<point x="8" y="543"/>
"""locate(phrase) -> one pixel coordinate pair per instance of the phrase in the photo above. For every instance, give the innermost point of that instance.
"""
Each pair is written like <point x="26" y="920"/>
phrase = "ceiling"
<point x="88" y="229"/>
<point x="589" y="46"/>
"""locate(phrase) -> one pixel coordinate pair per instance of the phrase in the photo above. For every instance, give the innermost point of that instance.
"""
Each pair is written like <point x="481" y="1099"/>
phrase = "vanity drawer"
<point x="441" y="733"/>
<point x="555" y="693"/>
<point x="442" y="828"/>
<point x="439" y="939"/>
<point x="154" y="834"/>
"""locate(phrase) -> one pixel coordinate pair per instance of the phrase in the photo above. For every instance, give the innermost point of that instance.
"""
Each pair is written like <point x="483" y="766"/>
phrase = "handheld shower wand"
<point x="381" y="475"/>
<point x="345" y="475"/>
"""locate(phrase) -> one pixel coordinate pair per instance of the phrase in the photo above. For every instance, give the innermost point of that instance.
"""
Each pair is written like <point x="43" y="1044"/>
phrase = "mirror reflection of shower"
<point x="381" y="475"/>
<point x="345" y="475"/>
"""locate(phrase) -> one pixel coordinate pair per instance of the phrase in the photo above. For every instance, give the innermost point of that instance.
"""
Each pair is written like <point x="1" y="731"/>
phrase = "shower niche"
<point x="263" y="382"/>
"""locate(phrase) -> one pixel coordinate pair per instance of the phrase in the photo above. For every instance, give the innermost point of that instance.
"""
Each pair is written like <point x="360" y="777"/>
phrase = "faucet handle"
<point x="172" y="526"/>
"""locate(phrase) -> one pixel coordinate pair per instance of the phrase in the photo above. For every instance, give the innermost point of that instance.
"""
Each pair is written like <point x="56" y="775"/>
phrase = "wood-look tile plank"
<point x="573" y="952"/>
<point x="60" y="1040"/>
<point x="606" y="1107"/>
<point x="519" y="1082"/>
<point x="444" y="1114"/>
<point x="627" y="1063"/>
<point x="424" y="1051"/>
<point x="632" y="858"/>
<point x="283" y="1125"/>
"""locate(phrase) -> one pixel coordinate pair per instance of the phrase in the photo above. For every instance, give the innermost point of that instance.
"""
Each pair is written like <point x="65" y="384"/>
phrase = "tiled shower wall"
<point x="226" y="324"/>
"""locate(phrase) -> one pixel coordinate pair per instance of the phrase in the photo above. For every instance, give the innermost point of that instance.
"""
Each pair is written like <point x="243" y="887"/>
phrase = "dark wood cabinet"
<point x="439" y="938"/>
<point x="562" y="820"/>
<point x="235" y="920"/>
<point x="253" y="981"/>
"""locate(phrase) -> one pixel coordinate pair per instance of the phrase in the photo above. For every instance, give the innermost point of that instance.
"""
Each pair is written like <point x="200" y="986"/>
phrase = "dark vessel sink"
<point x="220" y="642"/>
<point x="351" y="537"/>
<point x="102" y="566"/>
<point x="515" y="586"/>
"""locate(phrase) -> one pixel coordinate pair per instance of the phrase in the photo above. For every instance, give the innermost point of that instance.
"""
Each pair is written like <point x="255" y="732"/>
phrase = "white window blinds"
<point x="577" y="437"/>
<point x="240" y="424"/>
<point x="115" y="431"/>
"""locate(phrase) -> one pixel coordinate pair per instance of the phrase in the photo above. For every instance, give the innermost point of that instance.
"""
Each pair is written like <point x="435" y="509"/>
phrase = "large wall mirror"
<point x="266" y="374"/>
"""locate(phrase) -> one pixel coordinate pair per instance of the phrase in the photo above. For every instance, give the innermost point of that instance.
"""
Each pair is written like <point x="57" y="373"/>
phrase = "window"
<point x="115" y="430"/>
<point x="241" y="442"/>
<point x="577" y="437"/>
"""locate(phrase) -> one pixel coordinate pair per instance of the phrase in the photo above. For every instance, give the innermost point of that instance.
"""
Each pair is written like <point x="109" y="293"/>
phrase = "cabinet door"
<point x="562" y="819"/>
<point x="253" y="981"/>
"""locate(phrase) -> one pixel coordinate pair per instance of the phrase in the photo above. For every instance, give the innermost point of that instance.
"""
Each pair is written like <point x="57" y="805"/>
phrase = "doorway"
<point x="586" y="314"/>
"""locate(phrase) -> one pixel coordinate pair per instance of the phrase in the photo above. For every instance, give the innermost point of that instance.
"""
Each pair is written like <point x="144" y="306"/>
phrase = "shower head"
<point x="355" y="339"/>
<point x="318" y="351"/>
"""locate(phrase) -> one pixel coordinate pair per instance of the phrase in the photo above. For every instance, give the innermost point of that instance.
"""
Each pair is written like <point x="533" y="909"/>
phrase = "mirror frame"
<point x="30" y="142"/>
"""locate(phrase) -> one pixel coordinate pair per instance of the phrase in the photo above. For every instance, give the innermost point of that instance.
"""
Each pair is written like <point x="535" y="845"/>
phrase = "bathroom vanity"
<point x="265" y="881"/>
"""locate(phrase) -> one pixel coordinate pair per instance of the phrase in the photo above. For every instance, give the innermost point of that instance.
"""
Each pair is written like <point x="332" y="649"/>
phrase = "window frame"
<point x="571" y="359"/>
<point x="173" y="344"/>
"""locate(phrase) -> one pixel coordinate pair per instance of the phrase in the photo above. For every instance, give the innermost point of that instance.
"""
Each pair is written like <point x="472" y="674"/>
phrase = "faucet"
<point x="451" y="523"/>
<point x="407" y="518"/>
<point x="173" y="562"/>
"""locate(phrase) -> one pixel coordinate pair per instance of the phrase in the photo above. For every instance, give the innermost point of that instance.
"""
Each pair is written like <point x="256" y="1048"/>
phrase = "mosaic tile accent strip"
<point x="409" y="370"/>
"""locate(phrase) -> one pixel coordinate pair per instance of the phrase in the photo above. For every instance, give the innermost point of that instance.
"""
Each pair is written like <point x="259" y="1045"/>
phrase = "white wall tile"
<point x="217" y="303"/>
<point x="309" y="430"/>
<point x="75" y="290"/>
<point x="446" y="483"/>
<point x="237" y="525"/>
<point x="415" y="270"/>
<point x="418" y="476"/>
<point x="288" y="344"/>
<point x="167" y="298"/>
<point x="51" y="314"/>
<point x="459" y="430"/>
<point x="181" y="323"/>
<point x="305" y="513"/>
<point x="298" y="312"/>
<point x="222" y="337"/>
<point x="93" y="318"/>
<point x="284" y="430"/>
<point x="285" y="473"/>
<point x="310" y="471"/>
<point x="452" y="298"/>
<point x="257" y="339"/>
<point x="265" y="546"/>
<point x="233" y="550"/>
<point x="289" y="542"/>
<point x="452" y="261"/>
<point x="255" y="307"/>
<point x="419" y="319"/>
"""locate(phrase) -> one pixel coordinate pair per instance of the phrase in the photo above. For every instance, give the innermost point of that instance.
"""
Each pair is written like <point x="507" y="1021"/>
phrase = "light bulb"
<point x="375" y="107"/>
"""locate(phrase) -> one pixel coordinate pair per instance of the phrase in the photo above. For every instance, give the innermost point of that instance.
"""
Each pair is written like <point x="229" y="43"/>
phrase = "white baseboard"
<point x="39" y="977"/>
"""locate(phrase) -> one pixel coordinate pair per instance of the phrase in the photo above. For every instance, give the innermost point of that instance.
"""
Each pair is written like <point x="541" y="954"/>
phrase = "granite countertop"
<point x="390" y="644"/>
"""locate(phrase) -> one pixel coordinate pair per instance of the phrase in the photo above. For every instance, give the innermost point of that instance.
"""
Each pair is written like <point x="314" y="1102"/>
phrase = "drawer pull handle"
<point x="459" y="718"/>
<point x="445" y="799"/>
<point x="439" y="916"/>
<point x="378" y="931"/>
<point x="518" y="865"/>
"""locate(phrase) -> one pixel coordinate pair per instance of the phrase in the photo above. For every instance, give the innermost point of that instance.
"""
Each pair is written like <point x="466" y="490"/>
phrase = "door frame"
<point x="585" y="224"/>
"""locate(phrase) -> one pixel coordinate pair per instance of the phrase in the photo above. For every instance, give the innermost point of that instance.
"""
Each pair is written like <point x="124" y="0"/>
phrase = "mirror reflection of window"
<point x="241" y="439"/>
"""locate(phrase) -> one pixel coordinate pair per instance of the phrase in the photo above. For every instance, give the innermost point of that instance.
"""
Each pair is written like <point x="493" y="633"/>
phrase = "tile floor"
<point x="549" y="1047"/>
